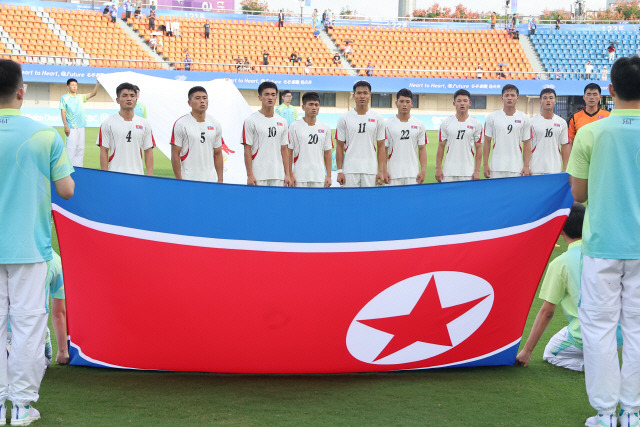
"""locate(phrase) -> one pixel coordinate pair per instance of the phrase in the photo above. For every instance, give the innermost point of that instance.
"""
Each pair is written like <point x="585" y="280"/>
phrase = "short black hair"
<point x="404" y="92"/>
<point x="123" y="86"/>
<point x="510" y="87"/>
<point x="284" y="92"/>
<point x="71" y="81"/>
<point x="361" y="83"/>
<point x="548" y="90"/>
<point x="137" y="88"/>
<point x="461" y="92"/>
<point x="10" y="79"/>
<point x="310" y="96"/>
<point x="594" y="86"/>
<point x="267" y="85"/>
<point x="625" y="73"/>
<point x="196" y="89"/>
<point x="573" y="226"/>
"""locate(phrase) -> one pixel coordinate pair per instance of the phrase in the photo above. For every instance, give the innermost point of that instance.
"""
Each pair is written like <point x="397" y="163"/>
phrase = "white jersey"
<point x="547" y="136"/>
<point x="507" y="132"/>
<point x="309" y="144"/>
<point x="126" y="141"/>
<point x="403" y="140"/>
<point x="461" y="139"/>
<point x="360" y="134"/>
<point x="266" y="136"/>
<point x="197" y="140"/>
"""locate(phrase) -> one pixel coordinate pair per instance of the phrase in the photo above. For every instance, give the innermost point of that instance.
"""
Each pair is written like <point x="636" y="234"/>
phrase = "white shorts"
<point x="501" y="174"/>
<point x="75" y="146"/>
<point x="359" y="180"/>
<point x="271" y="182"/>
<point x="455" y="178"/>
<point x="310" y="184"/>
<point x="560" y="351"/>
<point x="402" y="181"/>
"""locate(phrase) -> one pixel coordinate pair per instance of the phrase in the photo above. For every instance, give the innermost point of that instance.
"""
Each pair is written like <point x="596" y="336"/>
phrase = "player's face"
<point x="362" y="95"/>
<point x="199" y="102"/>
<point x="462" y="103"/>
<point x="592" y="97"/>
<point x="127" y="99"/>
<point x="73" y="87"/>
<point x="268" y="97"/>
<point x="404" y="104"/>
<point x="311" y="108"/>
<point x="510" y="98"/>
<point x="548" y="101"/>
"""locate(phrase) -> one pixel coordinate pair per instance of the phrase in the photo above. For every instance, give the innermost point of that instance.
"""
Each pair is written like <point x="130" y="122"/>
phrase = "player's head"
<point x="126" y="96"/>
<point x="462" y="101"/>
<point x="198" y="99"/>
<point x="72" y="85"/>
<point x="362" y="92"/>
<point x="268" y="93"/>
<point x="11" y="86"/>
<point x="137" y="90"/>
<point x="510" y="95"/>
<point x="592" y="94"/>
<point x="624" y="72"/>
<point x="548" y="98"/>
<point x="573" y="227"/>
<point x="311" y="104"/>
<point x="286" y="96"/>
<point x="404" y="101"/>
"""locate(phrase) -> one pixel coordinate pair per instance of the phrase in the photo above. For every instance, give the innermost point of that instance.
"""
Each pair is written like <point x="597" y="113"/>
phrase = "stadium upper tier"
<point x="432" y="49"/>
<point x="568" y="52"/>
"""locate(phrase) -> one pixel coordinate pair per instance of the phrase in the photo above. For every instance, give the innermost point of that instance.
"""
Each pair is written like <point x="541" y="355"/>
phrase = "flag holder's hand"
<point x="439" y="175"/>
<point x="523" y="358"/>
<point x="420" y="177"/>
<point x="251" y="180"/>
<point x="341" y="179"/>
<point x="487" y="172"/>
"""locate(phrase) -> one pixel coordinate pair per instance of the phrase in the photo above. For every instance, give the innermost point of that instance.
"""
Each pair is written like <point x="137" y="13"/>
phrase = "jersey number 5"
<point x="202" y="137"/>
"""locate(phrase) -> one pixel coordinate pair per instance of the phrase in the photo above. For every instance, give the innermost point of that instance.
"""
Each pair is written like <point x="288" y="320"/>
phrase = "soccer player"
<point x="461" y="136"/>
<point x="196" y="142"/>
<point x="406" y="144"/>
<point x="605" y="170"/>
<point x="264" y="135"/>
<point x="31" y="156"/>
<point x="285" y="109"/>
<point x="360" y="137"/>
<point x="124" y="136"/>
<point x="310" y="146"/>
<point x="139" y="110"/>
<point x="510" y="130"/>
<point x="550" y="146"/>
<point x="74" y="119"/>
<point x="591" y="111"/>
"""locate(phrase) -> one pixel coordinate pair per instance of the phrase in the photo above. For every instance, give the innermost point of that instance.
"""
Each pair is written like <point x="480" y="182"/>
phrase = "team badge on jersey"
<point x="372" y="120"/>
<point x="469" y="127"/>
<point x="139" y="127"/>
<point x="518" y="121"/>
<point x="210" y="127"/>
<point x="414" y="127"/>
<point x="279" y="124"/>
<point x="320" y="130"/>
<point x="557" y="125"/>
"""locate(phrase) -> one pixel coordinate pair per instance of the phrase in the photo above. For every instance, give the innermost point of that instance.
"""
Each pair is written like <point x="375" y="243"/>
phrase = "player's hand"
<point x="487" y="172"/>
<point x="327" y="181"/>
<point x="439" y="175"/>
<point x="420" y="177"/>
<point x="475" y="176"/>
<point x="288" y="181"/>
<point x="294" y="183"/>
<point x="341" y="179"/>
<point x="523" y="358"/>
<point x="251" y="180"/>
<point x="526" y="171"/>
<point x="62" y="358"/>
<point x="67" y="131"/>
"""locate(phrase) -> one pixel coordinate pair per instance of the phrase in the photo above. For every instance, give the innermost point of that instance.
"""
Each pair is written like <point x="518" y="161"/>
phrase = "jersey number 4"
<point x="128" y="136"/>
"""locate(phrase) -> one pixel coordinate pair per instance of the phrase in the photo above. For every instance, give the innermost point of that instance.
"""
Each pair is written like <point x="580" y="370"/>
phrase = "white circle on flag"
<point x="454" y="288"/>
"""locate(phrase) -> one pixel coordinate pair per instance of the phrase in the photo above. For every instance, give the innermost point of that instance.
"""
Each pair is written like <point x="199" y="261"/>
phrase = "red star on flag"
<point x="429" y="314"/>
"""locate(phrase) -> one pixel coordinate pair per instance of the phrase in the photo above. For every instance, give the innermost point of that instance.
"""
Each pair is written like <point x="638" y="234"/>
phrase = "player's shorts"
<point x="271" y="182"/>
<point x="402" y="181"/>
<point x="455" y="178"/>
<point x="310" y="184"/>
<point x="562" y="352"/>
<point x="75" y="146"/>
<point x="501" y="174"/>
<point x="359" y="180"/>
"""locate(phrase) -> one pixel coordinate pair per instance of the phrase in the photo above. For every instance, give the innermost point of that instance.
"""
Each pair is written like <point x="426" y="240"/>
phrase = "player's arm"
<point x="579" y="189"/>
<point x="526" y="157"/>
<point x="251" y="180"/>
<point x="327" y="165"/>
<point x="572" y="129"/>
<point x="383" y="175"/>
<point x="543" y="318"/>
<point x="486" y="151"/>
<point x="65" y="187"/>
<point x="218" y="162"/>
<point x="286" y="159"/>
<point x="422" y="157"/>
<point x="148" y="161"/>
<point x="439" y="157"/>
<point x="479" y="150"/>
<point x="565" y="151"/>
<point x="340" y="160"/>
<point x="104" y="158"/>
<point x="94" y="92"/>
<point x="59" y="323"/>
<point x="175" y="161"/>
<point x="63" y="113"/>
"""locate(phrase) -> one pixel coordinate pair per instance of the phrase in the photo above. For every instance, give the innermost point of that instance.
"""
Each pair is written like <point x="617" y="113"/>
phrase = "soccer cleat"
<point x="23" y="415"/>
<point x="3" y="414"/>
<point x="602" y="420"/>
<point x="629" y="419"/>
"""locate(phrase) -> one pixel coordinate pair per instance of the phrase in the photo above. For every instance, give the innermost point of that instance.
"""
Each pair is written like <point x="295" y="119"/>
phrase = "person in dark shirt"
<point x="207" y="29"/>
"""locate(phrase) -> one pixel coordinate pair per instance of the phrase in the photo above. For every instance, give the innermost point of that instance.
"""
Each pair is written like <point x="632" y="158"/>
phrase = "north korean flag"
<point x="410" y="287"/>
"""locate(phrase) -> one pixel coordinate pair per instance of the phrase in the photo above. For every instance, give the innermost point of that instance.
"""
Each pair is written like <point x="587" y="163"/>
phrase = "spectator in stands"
<point x="501" y="74"/>
<point x="309" y="62"/>
<point x="558" y="24"/>
<point x="479" y="72"/>
<point x="137" y="12"/>
<point x="327" y="23"/>
<point x="612" y="52"/>
<point x="106" y="11"/>
<point x="152" y="20"/>
<point x="494" y="18"/>
<point x="293" y="58"/>
<point x="347" y="49"/>
<point x="369" y="69"/>
<point x="280" y="19"/>
<point x="516" y="35"/>
<point x="187" y="63"/>
<point x="153" y="43"/>
<point x="324" y="15"/>
<point x="128" y="8"/>
<point x="533" y="25"/>
<point x="246" y="65"/>
<point x="265" y="58"/>
<point x="558" y="75"/>
<point x="514" y="21"/>
<point x="336" y="59"/>
<point x="511" y="30"/>
<point x="170" y="28"/>
<point x="176" y="28"/>
<point x="588" y="69"/>
<point x="153" y="7"/>
<point x="114" y="13"/>
<point x="316" y="33"/>
<point x="603" y="73"/>
<point x="207" y="30"/>
<point x="314" y="18"/>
